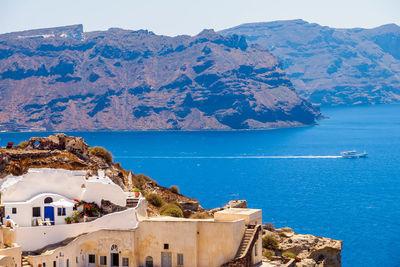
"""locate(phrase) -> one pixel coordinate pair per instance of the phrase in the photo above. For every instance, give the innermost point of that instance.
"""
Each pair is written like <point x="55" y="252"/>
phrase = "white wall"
<point x="38" y="181"/>
<point x="26" y="191"/>
<point x="23" y="217"/>
<point x="70" y="184"/>
<point x="98" y="188"/>
<point x="33" y="238"/>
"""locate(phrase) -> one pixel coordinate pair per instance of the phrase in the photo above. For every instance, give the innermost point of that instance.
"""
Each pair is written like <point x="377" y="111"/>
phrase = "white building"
<point x="48" y="194"/>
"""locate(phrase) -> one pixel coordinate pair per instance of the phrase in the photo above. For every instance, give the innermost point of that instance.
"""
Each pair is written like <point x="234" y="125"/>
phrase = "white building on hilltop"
<point x="49" y="194"/>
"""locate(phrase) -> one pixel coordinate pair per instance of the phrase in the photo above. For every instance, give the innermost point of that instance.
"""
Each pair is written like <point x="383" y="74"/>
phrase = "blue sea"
<point x="292" y="174"/>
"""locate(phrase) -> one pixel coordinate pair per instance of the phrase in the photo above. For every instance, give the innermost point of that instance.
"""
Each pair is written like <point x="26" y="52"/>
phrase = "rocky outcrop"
<point x="136" y="80"/>
<point x="231" y="204"/>
<point x="333" y="66"/>
<point x="310" y="251"/>
<point x="109" y="207"/>
<point x="75" y="145"/>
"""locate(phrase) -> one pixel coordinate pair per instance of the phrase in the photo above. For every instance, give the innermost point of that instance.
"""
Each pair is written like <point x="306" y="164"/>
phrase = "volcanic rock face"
<point x="333" y="66"/>
<point x="64" y="79"/>
<point x="310" y="251"/>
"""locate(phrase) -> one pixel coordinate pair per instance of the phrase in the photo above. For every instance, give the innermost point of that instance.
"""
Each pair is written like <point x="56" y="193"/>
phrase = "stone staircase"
<point x="243" y="257"/>
<point x="25" y="262"/>
<point x="245" y="242"/>
<point x="132" y="202"/>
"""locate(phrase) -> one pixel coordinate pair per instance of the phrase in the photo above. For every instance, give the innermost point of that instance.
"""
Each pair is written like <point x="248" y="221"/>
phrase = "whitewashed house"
<point x="49" y="194"/>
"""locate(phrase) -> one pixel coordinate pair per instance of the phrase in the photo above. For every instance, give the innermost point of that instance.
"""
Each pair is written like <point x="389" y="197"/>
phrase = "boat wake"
<point x="229" y="157"/>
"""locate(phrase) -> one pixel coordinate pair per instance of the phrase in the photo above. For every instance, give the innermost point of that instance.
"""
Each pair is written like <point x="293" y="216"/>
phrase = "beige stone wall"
<point x="218" y="242"/>
<point x="98" y="243"/>
<point x="257" y="256"/>
<point x="11" y="256"/>
<point x="6" y="261"/>
<point x="8" y="235"/>
<point x="181" y="237"/>
<point x="202" y="242"/>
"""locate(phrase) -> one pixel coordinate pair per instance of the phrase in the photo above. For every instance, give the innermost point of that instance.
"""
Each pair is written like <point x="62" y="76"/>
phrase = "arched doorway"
<point x="114" y="256"/>
<point x="149" y="261"/>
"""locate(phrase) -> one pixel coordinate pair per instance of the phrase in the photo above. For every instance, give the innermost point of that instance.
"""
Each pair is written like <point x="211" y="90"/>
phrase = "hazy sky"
<point x="174" y="17"/>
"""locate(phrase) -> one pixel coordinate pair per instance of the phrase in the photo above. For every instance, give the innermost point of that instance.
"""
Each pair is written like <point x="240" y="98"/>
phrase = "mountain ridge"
<point x="65" y="79"/>
<point x="333" y="66"/>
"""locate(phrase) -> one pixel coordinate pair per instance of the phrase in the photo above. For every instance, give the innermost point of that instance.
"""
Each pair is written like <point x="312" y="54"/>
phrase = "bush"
<point x="269" y="226"/>
<point x="270" y="242"/>
<point x="174" y="189"/>
<point x="101" y="152"/>
<point x="268" y="253"/>
<point x="155" y="200"/>
<point x="172" y="210"/>
<point x="22" y="145"/>
<point x="175" y="203"/>
<point x="201" y="215"/>
<point x="140" y="179"/>
<point x="289" y="255"/>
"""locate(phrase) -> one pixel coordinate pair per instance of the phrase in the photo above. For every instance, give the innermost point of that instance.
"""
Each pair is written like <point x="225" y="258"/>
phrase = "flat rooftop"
<point x="174" y="219"/>
<point x="241" y="211"/>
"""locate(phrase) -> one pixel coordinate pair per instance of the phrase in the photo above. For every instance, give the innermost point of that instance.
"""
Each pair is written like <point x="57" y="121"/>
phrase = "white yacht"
<point x="352" y="154"/>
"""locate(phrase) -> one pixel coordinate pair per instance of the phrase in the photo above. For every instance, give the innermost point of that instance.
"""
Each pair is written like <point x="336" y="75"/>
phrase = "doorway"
<point x="166" y="259"/>
<point x="114" y="259"/>
<point x="49" y="213"/>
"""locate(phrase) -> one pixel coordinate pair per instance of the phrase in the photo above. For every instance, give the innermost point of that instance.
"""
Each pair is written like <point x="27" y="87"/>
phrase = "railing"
<point x="246" y="260"/>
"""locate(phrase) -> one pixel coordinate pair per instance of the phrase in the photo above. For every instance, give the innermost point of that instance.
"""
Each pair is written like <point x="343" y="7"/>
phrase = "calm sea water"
<point x="355" y="200"/>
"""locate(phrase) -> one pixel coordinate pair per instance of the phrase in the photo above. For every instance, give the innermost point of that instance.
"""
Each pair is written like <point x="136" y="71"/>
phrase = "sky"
<point x="176" y="17"/>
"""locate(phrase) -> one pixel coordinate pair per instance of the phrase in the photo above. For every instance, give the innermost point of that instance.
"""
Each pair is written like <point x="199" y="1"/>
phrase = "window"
<point x="255" y="250"/>
<point x="54" y="264"/>
<point x="149" y="261"/>
<point x="92" y="258"/>
<point x="67" y="262"/>
<point x="44" y="264"/>
<point x="125" y="262"/>
<point x="180" y="259"/>
<point x="103" y="260"/>
<point x="48" y="200"/>
<point x="36" y="212"/>
<point x="61" y="211"/>
<point x="14" y="210"/>
<point x="166" y="246"/>
<point x="76" y="259"/>
<point x="114" y="248"/>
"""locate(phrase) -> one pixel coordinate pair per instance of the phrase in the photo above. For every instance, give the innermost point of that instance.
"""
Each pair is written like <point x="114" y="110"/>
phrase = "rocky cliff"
<point x="333" y="66"/>
<point x="65" y="79"/>
<point x="307" y="250"/>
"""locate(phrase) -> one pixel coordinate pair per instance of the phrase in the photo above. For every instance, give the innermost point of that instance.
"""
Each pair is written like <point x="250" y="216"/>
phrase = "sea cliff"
<point x="64" y="79"/>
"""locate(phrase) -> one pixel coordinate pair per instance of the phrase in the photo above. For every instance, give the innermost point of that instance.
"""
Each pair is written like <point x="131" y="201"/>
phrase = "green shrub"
<point x="155" y="199"/>
<point x="101" y="152"/>
<point x="270" y="242"/>
<point x="172" y="210"/>
<point x="268" y="253"/>
<point x="22" y="145"/>
<point x="269" y="226"/>
<point x="140" y="179"/>
<point x="174" y="189"/>
<point x="175" y="203"/>
<point x="289" y="255"/>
